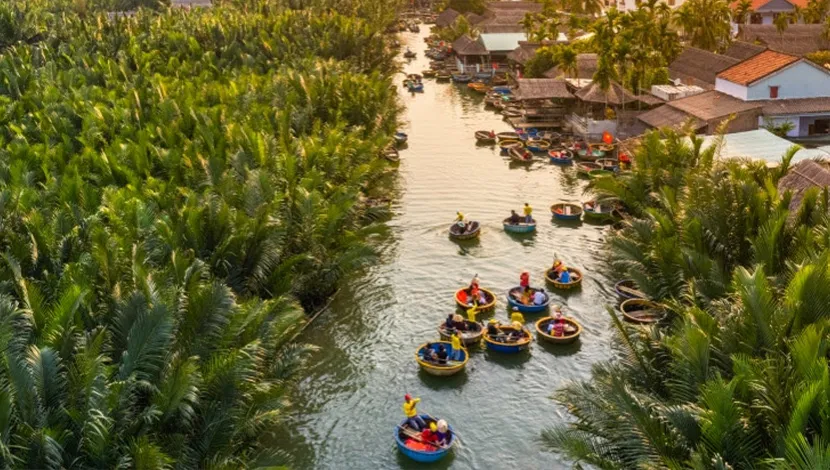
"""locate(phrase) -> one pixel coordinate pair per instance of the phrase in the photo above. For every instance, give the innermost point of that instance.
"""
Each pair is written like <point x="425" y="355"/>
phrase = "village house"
<point x="698" y="67"/>
<point x="768" y="89"/>
<point x="544" y="102"/>
<point x="765" y="11"/>
<point x="486" y="52"/>
<point x="797" y="39"/>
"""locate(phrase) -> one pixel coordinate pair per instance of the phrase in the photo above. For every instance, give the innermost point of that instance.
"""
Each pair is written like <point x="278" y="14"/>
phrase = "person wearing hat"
<point x="409" y="408"/>
<point x="557" y="266"/>
<point x="493" y="330"/>
<point x="459" y="220"/>
<point x="443" y="433"/>
<point x="429" y="434"/>
<point x="517" y="317"/>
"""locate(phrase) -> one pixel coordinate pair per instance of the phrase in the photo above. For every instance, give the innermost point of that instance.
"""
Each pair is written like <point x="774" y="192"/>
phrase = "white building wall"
<point x="731" y="89"/>
<point x="762" y="121"/>
<point x="801" y="80"/>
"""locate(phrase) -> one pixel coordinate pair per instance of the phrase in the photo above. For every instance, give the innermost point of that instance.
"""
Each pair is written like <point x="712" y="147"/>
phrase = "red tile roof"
<point x="757" y="4"/>
<point x="757" y="67"/>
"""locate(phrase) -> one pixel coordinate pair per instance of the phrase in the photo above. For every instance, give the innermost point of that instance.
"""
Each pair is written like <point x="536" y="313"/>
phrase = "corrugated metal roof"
<point x="759" y="144"/>
<point x="502" y="42"/>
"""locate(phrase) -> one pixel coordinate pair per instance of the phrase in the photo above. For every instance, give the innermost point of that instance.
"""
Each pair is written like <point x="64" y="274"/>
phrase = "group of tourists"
<point x="436" y="432"/>
<point x="562" y="273"/>
<point x="463" y="225"/>
<point x="559" y="327"/>
<point x="515" y="219"/>
<point x="513" y="334"/>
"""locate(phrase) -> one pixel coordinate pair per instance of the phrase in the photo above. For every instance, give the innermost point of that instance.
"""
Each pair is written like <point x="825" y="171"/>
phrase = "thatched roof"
<point x="446" y="18"/>
<point x="797" y="39"/>
<point x="743" y="50"/>
<point x="500" y="28"/>
<point x="465" y="45"/>
<point x="542" y="89"/>
<point x="586" y="67"/>
<point x="713" y="105"/>
<point x="698" y="67"/>
<point x="666" y="116"/>
<point x="524" y="52"/>
<point x="615" y="96"/>
<point x="802" y="176"/>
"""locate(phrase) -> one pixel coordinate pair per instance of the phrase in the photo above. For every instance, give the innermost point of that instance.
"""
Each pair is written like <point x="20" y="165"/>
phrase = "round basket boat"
<point x="513" y="303"/>
<point x="508" y="347"/>
<point x="642" y="311"/>
<point x="576" y="279"/>
<point x="572" y="331"/>
<point x="489" y="297"/>
<point x="566" y="211"/>
<point x="507" y="136"/>
<point x="521" y="227"/>
<point x="443" y="76"/>
<point x="627" y="289"/>
<point x="429" y="73"/>
<point x="391" y="153"/>
<point x="610" y="164"/>
<point x="512" y="112"/>
<point x="410" y="444"/>
<point x="473" y="231"/>
<point x="416" y="87"/>
<point x="594" y="174"/>
<point x="594" y="154"/>
<point x="585" y="168"/>
<point x="597" y="212"/>
<point x="461" y="78"/>
<point x="507" y="145"/>
<point x="484" y="137"/>
<point x="401" y="138"/>
<point x="441" y="370"/>
<point x="520" y="155"/>
<point x="470" y="336"/>
<point x="538" y="145"/>
<point x="561" y="157"/>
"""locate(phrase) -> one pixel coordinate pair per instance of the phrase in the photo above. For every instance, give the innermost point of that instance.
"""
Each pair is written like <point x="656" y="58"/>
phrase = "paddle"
<point x="415" y="436"/>
<point x="457" y="437"/>
<point x="629" y="290"/>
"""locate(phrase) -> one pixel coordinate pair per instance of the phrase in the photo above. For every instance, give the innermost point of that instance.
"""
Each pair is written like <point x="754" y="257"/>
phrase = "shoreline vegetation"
<point x="176" y="187"/>
<point x="737" y="376"/>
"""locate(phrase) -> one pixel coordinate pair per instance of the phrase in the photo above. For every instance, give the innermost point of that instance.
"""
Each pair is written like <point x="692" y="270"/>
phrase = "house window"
<point x="773" y="92"/>
<point x="671" y="3"/>
<point x="756" y="18"/>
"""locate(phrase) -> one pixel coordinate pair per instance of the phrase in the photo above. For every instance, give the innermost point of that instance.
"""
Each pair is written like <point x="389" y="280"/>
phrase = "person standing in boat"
<point x="528" y="211"/>
<point x="409" y="408"/>
<point x="449" y="324"/>
<point x="524" y="280"/>
<point x="456" y="355"/>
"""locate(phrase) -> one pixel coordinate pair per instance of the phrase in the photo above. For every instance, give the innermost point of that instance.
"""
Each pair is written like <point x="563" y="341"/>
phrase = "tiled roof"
<point x="542" y="88"/>
<point x="446" y="18"/>
<point x="797" y="39"/>
<point x="742" y="50"/>
<point x="796" y="106"/>
<point x="666" y="116"/>
<point x="758" y="67"/>
<point x="586" y="66"/>
<point x="698" y="67"/>
<point x="759" y="4"/>
<point x="465" y="45"/>
<point x="713" y="105"/>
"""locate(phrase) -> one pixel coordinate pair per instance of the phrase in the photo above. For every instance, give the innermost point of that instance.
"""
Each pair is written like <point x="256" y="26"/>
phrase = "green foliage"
<point x="541" y="62"/>
<point x="175" y="186"/>
<point x="458" y="28"/>
<point x="706" y="23"/>
<point x="781" y="128"/>
<point x="739" y="379"/>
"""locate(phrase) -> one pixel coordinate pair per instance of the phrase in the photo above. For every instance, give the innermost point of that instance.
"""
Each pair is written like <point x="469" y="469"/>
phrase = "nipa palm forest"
<point x="176" y="187"/>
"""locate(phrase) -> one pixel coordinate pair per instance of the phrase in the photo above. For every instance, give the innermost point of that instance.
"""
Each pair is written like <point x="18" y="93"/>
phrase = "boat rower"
<point x="409" y="408"/>
<point x="528" y="211"/>
<point x="514" y="218"/>
<point x="471" y="313"/>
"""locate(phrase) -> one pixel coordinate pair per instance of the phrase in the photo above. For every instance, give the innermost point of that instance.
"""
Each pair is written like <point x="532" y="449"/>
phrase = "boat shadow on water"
<point x="509" y="361"/>
<point x="561" y="349"/>
<point x="445" y="463"/>
<point x="450" y="382"/>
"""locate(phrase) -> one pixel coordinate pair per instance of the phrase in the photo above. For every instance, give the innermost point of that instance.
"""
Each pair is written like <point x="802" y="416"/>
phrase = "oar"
<point x="414" y="435"/>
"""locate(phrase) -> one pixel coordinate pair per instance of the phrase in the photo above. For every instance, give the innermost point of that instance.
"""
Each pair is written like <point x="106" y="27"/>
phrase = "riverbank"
<point x="345" y="410"/>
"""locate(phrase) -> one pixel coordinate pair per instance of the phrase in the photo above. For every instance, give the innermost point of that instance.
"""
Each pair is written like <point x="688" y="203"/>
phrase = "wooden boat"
<point x="485" y="137"/>
<point x="511" y="112"/>
<point x="600" y="173"/>
<point x="441" y="370"/>
<point x="502" y="90"/>
<point x="597" y="212"/>
<point x="610" y="164"/>
<point x="392" y="154"/>
<point x="576" y="279"/>
<point x="520" y="155"/>
<point x="592" y="155"/>
<point x="471" y="336"/>
<point x="473" y="231"/>
<point x="409" y="54"/>
<point x="561" y="157"/>
<point x="585" y="168"/>
<point x="461" y="78"/>
<point x="513" y="347"/>
<point x="642" y="311"/>
<point x="513" y="303"/>
<point x="401" y="138"/>
<point x="507" y="136"/>
<point x="627" y="289"/>
<point x="429" y="73"/>
<point x="566" y="211"/>
<point x="416" y="87"/>
<point x="572" y="331"/>
<point x="538" y="145"/>
<point x="507" y="145"/>
<point x="521" y="227"/>
<point x="410" y="444"/>
<point x="489" y="298"/>
<point x="478" y="87"/>
<point x="443" y="76"/>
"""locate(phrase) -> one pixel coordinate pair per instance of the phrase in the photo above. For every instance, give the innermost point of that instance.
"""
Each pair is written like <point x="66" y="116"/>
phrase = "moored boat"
<point x="478" y="87"/>
<point x="597" y="212"/>
<point x="627" y="289"/>
<point x="507" y="136"/>
<point x="566" y="211"/>
<point x="520" y="155"/>
<point x="570" y="332"/>
<point x="610" y="164"/>
<point x="594" y="154"/>
<point x="462" y="299"/>
<point x="392" y="154"/>
<point x="575" y="281"/>
<point x="642" y="311"/>
<point x="461" y="78"/>
<point x="514" y="302"/>
<point x="429" y="73"/>
<point x="561" y="157"/>
<point x="443" y="76"/>
<point x="410" y="444"/>
<point x="401" y="138"/>
<point x="469" y="336"/>
<point x="511" y="112"/>
<point x="485" y="137"/>
<point x="537" y="145"/>
<point x="451" y="367"/>
<point x="507" y="145"/>
<point x="600" y="173"/>
<point x="507" y="343"/>
<point x="521" y="227"/>
<point x="409" y="54"/>
<point x="471" y="230"/>
<point x="585" y="168"/>
<point x="416" y="87"/>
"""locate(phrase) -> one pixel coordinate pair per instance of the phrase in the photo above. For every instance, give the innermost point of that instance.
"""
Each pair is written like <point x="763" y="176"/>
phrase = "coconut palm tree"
<point x="743" y="11"/>
<point x="705" y="23"/>
<point x="567" y="57"/>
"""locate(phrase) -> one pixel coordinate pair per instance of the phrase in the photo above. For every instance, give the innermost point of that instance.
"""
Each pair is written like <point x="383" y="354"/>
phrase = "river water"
<point x="344" y="412"/>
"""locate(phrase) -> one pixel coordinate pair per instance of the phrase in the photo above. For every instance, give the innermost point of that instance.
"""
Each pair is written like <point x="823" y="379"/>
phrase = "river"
<point x="345" y="410"/>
